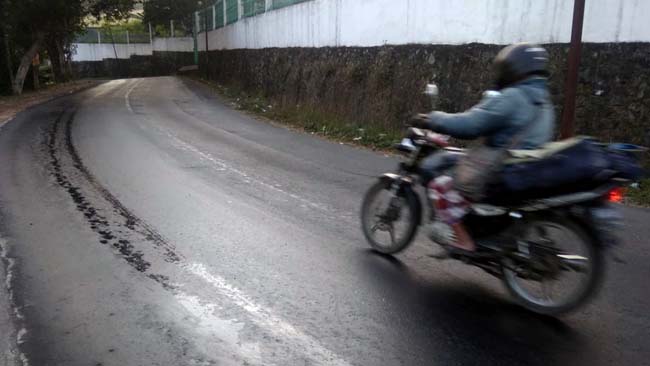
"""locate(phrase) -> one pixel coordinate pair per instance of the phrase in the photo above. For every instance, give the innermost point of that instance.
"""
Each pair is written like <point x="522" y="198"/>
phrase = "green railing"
<point x="232" y="11"/>
<point x="219" y="18"/>
<point x="205" y="19"/>
<point x="253" y="7"/>
<point x="277" y="4"/>
<point x="228" y="11"/>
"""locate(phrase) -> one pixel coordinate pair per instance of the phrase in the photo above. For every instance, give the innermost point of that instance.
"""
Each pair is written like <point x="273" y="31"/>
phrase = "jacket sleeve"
<point x="490" y="115"/>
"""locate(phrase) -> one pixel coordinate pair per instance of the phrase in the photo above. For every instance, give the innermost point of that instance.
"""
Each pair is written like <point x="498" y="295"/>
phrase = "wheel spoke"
<point x="391" y="231"/>
<point x="563" y="270"/>
<point x="546" y="289"/>
<point x="575" y="263"/>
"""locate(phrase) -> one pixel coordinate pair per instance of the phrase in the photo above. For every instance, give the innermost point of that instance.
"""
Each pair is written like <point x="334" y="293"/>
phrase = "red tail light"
<point x="616" y="195"/>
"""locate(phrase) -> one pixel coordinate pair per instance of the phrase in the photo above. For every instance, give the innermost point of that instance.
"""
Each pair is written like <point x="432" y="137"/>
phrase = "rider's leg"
<point x="450" y="207"/>
<point x="437" y="164"/>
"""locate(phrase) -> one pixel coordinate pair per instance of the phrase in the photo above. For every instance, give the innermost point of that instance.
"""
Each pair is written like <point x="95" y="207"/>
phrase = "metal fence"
<point x="108" y="35"/>
<point x="220" y="15"/>
<point x="206" y="19"/>
<point x="253" y="7"/>
<point x="277" y="4"/>
<point x="230" y="11"/>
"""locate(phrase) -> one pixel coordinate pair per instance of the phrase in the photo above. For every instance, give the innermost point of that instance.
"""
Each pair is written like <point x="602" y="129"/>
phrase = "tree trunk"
<point x="113" y="41"/>
<point x="37" y="82"/>
<point x="57" y="67"/>
<point x="25" y="63"/>
<point x="66" y="51"/>
<point x="63" y="66"/>
<point x="57" y="57"/>
<point x="10" y="66"/>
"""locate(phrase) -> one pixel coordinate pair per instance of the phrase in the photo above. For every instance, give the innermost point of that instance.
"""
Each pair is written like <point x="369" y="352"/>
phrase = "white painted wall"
<point x="323" y="23"/>
<point x="320" y="23"/>
<point x="98" y="52"/>
<point x="184" y="44"/>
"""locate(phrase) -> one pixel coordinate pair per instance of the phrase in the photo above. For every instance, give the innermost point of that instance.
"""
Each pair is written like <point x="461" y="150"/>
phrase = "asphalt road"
<point x="144" y="222"/>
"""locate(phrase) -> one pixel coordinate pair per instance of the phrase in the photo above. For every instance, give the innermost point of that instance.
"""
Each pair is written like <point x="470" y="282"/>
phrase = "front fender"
<point x="392" y="177"/>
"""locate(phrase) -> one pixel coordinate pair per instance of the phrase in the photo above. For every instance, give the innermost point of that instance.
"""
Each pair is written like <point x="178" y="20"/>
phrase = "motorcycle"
<point x="548" y="251"/>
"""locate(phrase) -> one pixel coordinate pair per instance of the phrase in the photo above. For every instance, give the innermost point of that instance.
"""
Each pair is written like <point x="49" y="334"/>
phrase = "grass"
<point x="640" y="195"/>
<point x="309" y="119"/>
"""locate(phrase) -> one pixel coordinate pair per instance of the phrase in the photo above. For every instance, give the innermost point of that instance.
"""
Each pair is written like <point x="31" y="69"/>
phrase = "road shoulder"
<point x="9" y="354"/>
<point x="10" y="106"/>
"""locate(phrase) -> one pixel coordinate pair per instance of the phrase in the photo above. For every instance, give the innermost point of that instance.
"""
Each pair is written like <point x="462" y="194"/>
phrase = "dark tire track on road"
<point x="61" y="150"/>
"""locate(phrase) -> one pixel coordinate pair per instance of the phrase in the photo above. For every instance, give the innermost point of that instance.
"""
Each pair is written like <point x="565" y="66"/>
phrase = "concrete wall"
<point x="98" y="52"/>
<point x="320" y="23"/>
<point x="185" y="44"/>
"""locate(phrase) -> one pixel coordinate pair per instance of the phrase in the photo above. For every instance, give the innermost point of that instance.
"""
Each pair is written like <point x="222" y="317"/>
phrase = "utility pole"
<point x="195" y="33"/>
<point x="571" y="85"/>
<point x="207" y="50"/>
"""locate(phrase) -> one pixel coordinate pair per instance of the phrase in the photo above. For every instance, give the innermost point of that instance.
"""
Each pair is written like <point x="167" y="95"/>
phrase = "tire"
<point x="410" y="203"/>
<point x="582" y="294"/>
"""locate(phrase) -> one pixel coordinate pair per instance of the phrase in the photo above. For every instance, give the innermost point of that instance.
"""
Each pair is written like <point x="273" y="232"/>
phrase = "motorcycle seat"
<point x="545" y="151"/>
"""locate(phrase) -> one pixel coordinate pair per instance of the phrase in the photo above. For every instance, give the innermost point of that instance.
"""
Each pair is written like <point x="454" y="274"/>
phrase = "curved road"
<point x="146" y="222"/>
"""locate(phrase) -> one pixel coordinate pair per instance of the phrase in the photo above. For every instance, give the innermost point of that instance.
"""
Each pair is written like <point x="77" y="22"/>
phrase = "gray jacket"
<point x="502" y="116"/>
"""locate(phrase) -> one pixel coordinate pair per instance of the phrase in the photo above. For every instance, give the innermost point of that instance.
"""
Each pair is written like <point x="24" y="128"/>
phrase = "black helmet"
<point x="518" y="61"/>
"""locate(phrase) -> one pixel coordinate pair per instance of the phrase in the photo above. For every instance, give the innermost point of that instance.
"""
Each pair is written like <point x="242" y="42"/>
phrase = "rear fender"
<point x="602" y="220"/>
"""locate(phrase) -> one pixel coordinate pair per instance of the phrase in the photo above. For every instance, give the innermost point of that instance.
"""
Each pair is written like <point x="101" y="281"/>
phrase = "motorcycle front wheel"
<point x="563" y="270"/>
<point x="390" y="216"/>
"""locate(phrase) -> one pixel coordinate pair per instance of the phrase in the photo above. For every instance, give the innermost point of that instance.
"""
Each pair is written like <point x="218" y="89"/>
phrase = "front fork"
<point x="400" y="186"/>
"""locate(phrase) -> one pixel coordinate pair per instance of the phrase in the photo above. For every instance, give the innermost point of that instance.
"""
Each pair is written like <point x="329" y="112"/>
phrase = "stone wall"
<point x="382" y="86"/>
<point x="161" y="63"/>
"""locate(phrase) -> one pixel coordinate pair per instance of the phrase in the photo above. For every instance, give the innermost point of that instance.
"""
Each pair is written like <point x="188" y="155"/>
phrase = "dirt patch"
<point x="10" y="106"/>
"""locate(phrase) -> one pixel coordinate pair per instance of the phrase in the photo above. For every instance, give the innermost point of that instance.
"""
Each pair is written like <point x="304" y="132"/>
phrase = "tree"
<point x="161" y="12"/>
<point x="32" y="26"/>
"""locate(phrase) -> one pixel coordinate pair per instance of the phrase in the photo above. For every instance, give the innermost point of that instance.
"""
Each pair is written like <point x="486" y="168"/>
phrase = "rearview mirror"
<point x="432" y="92"/>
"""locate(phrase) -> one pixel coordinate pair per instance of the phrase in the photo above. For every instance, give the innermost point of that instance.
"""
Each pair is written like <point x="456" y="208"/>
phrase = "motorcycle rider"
<point x="519" y="107"/>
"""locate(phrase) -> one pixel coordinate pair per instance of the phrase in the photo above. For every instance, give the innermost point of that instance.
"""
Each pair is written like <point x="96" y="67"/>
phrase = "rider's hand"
<point x="420" y="121"/>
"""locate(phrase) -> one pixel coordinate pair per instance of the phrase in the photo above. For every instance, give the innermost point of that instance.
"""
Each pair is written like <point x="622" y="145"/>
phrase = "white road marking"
<point x="223" y="166"/>
<point x="17" y="312"/>
<point x="127" y="101"/>
<point x="264" y="318"/>
<point x="224" y="330"/>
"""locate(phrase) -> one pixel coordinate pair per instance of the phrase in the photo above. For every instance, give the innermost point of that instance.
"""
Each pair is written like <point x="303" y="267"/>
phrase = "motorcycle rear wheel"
<point x="590" y="262"/>
<point x="375" y="217"/>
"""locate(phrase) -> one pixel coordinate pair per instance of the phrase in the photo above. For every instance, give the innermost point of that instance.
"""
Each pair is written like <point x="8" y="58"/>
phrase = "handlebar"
<point x="428" y="137"/>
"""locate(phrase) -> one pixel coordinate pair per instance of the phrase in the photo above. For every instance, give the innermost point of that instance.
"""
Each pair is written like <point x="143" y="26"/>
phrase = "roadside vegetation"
<point x="641" y="195"/>
<point x="11" y="105"/>
<point x="37" y="36"/>
<point x="308" y="120"/>
<point x="41" y="32"/>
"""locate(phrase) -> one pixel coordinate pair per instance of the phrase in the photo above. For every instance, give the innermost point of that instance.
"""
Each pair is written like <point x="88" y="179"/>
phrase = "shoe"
<point x="442" y="233"/>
